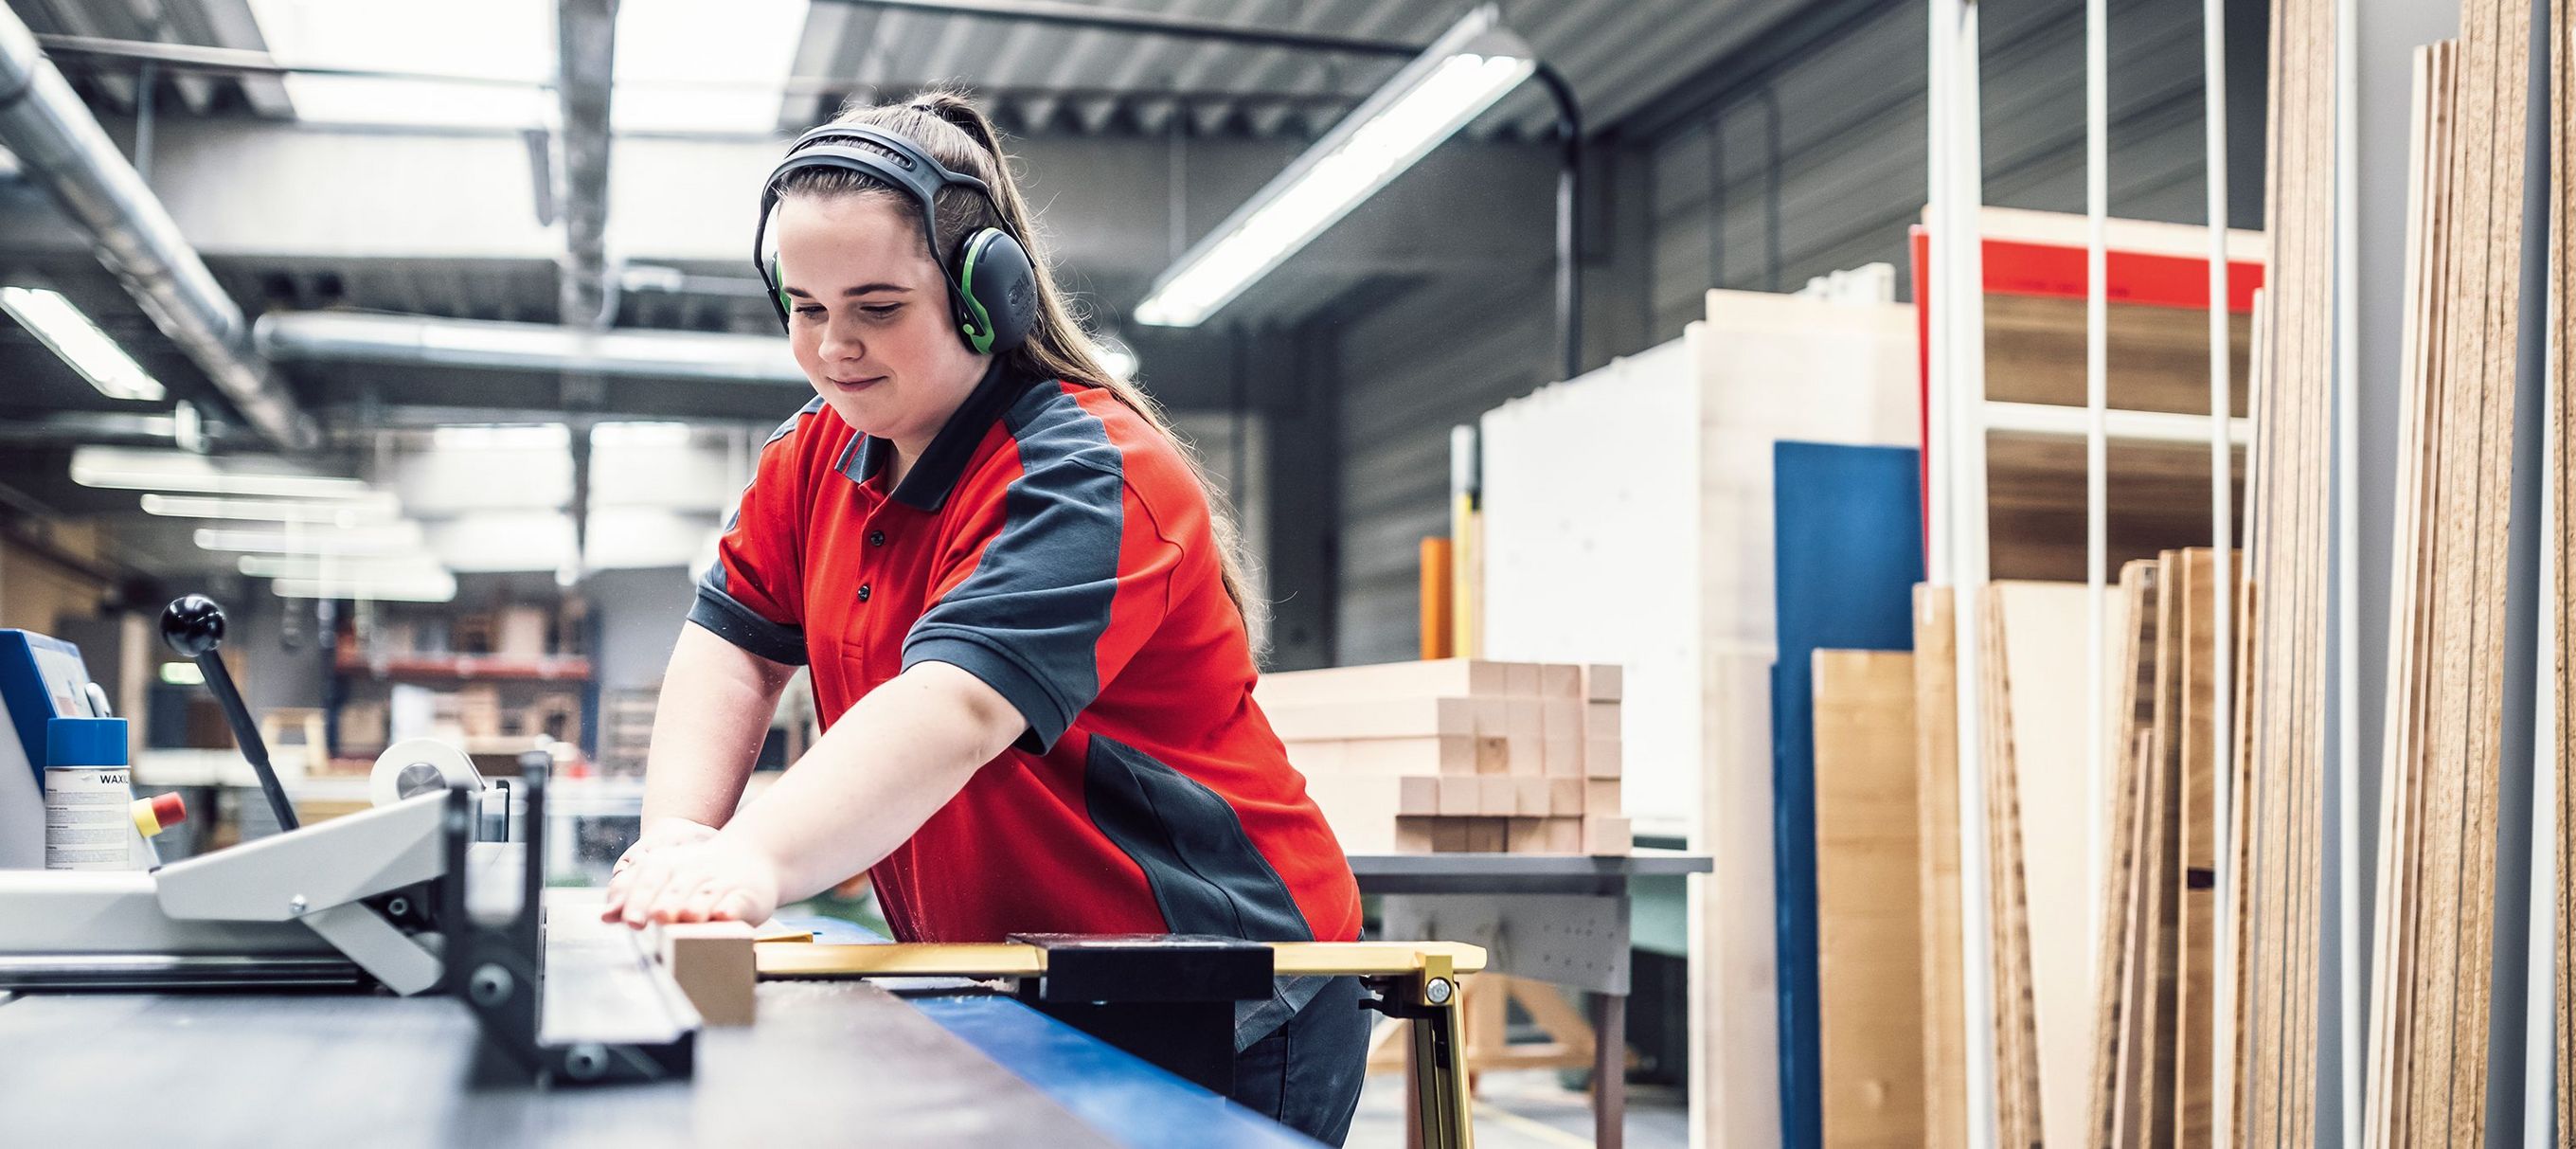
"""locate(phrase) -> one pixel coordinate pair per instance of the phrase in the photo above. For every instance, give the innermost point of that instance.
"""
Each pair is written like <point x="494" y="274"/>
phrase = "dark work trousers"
<point x="1306" y="1075"/>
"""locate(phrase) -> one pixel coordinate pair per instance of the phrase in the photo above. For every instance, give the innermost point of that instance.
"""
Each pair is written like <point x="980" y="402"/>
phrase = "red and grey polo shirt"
<point x="1050" y="542"/>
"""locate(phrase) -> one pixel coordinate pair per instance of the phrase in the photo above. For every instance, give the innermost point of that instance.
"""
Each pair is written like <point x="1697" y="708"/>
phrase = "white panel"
<point x="1588" y="486"/>
<point x="635" y="538"/>
<point x="645" y="474"/>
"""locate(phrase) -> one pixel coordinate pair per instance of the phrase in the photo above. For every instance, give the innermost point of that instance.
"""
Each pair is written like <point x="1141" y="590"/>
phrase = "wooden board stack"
<point x="2431" y="991"/>
<point x="2276" y="851"/>
<point x="1458" y="755"/>
<point x="2152" y="1050"/>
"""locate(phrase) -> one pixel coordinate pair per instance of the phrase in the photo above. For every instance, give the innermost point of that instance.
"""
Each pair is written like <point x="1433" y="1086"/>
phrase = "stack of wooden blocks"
<point x="1457" y="755"/>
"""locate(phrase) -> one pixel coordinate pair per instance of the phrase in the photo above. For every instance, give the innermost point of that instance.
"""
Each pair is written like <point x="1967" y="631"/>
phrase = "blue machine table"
<point x="927" y="1064"/>
<point x="1555" y="918"/>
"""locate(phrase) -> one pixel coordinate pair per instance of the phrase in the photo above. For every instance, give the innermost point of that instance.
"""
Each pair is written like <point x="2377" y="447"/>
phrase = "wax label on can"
<point x="88" y="819"/>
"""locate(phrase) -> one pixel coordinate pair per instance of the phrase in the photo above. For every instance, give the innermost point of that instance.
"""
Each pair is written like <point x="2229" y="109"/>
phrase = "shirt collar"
<point x="936" y="472"/>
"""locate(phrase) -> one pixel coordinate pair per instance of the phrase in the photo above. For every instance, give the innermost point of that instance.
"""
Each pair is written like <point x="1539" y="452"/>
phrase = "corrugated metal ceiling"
<point x="1618" y="54"/>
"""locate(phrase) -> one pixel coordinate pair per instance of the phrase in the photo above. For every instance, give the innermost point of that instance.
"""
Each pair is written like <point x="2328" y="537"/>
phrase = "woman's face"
<point x="869" y="317"/>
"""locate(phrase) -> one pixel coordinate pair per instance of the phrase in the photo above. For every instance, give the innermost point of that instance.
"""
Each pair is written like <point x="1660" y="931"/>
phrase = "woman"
<point x="1026" y="627"/>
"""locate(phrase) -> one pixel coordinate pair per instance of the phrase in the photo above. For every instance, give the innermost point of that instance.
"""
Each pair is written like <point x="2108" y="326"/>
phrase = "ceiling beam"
<point x="1063" y="15"/>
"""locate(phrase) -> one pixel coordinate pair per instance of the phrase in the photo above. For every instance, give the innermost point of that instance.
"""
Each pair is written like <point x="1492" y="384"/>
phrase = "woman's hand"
<point x="719" y="878"/>
<point x="662" y="833"/>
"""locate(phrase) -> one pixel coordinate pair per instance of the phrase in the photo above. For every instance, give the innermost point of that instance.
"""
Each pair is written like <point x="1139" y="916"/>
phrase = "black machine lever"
<point x="193" y="625"/>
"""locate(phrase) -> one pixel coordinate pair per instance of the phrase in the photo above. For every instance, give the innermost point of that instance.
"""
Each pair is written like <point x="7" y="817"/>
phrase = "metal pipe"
<point x="1146" y="24"/>
<point x="1569" y="248"/>
<point x="61" y="147"/>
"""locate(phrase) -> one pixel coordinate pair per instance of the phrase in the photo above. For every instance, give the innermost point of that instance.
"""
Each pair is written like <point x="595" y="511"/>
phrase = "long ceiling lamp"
<point x="1454" y="80"/>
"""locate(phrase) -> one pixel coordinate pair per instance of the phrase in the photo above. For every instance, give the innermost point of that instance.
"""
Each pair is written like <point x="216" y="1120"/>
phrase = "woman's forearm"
<point x="716" y="703"/>
<point x="881" y="771"/>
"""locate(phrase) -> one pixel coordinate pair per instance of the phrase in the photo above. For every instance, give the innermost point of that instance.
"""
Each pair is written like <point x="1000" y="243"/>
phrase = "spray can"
<point x="89" y="796"/>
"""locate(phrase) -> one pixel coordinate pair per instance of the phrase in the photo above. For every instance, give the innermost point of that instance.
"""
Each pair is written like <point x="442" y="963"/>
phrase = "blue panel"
<point x="1124" y="1097"/>
<point x="1849" y="530"/>
<point x="25" y="692"/>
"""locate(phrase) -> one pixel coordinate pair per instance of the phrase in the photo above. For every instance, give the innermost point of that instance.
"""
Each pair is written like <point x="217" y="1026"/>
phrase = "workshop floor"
<point x="1527" y="1110"/>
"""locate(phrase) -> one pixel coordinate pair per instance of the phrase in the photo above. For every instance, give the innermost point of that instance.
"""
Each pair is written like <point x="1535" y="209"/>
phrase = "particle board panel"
<point x="1936" y="735"/>
<point x="1868" y="957"/>
<point x="2042" y="626"/>
<point x="2016" y="1082"/>
<point x="2197" y="847"/>
<point x="2116" y="962"/>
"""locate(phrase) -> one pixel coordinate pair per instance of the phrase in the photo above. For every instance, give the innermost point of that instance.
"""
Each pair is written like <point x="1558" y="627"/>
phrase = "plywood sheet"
<point x="1868" y="855"/>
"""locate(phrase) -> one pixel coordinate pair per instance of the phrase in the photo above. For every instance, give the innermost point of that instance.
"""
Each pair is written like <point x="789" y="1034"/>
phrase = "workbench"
<point x="896" y="1063"/>
<point x="1555" y="918"/>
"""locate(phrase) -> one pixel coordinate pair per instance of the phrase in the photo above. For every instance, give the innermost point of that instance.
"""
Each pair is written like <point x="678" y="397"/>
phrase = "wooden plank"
<point x="2115" y="958"/>
<point x="2198" y="852"/>
<point x="1445" y="678"/>
<point x="2017" y="1088"/>
<point x="1936" y="732"/>
<point x="1383" y="717"/>
<point x="1870" y="1000"/>
<point x="1429" y="754"/>
<point x="712" y="962"/>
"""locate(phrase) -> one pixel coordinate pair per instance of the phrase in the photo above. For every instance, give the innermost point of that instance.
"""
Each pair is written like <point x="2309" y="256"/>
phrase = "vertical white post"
<point x="2347" y="558"/>
<point x="2221" y="521"/>
<point x="2541" y="974"/>
<point x="1957" y="296"/>
<point x="2097" y="344"/>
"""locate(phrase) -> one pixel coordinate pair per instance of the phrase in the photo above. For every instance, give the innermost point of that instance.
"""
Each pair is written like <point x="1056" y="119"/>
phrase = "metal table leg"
<point x="1609" y="1069"/>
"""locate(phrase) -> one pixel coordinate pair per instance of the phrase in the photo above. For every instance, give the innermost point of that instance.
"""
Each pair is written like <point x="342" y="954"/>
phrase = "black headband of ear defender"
<point x="912" y="170"/>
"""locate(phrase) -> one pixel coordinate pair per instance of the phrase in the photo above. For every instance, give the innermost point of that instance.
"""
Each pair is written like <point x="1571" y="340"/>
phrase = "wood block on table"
<point x="1521" y="679"/>
<point x="1377" y="718"/>
<point x="1563" y="835"/>
<point x="1601" y="757"/>
<point x="1486" y="836"/>
<point x="1432" y="754"/>
<point x="1525" y="754"/>
<point x="1445" y="677"/>
<point x="1450" y="835"/>
<point x="1565" y="797"/>
<point x="1561" y="718"/>
<point x="1606" y="836"/>
<point x="1461" y="796"/>
<point x="1412" y="836"/>
<point x="1498" y="795"/>
<point x="1561" y="757"/>
<point x="712" y="962"/>
<point x="1524" y="835"/>
<point x="1601" y="720"/>
<point x="1531" y="797"/>
<point x="1375" y="797"/>
<point x="1601" y="796"/>
<point x="1560" y="680"/>
<point x="1603" y="682"/>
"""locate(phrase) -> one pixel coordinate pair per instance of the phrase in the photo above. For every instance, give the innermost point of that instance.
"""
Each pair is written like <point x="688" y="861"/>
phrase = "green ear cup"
<point x="996" y="292"/>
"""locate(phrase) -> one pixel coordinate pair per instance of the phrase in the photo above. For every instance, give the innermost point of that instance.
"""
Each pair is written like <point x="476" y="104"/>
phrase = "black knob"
<point x="193" y="625"/>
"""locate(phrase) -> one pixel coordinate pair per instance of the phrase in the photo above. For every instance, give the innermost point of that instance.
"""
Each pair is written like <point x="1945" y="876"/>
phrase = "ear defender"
<point x="992" y="284"/>
<point x="997" y="292"/>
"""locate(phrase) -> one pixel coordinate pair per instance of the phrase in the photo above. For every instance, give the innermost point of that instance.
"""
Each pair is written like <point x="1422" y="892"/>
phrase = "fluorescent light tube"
<point x="379" y="590"/>
<point x="396" y="538"/>
<point x="60" y="326"/>
<point x="120" y="468"/>
<point x="682" y="68"/>
<point x="338" y="512"/>
<point x="1457" y="78"/>
<point x="503" y="40"/>
<point x="396" y="568"/>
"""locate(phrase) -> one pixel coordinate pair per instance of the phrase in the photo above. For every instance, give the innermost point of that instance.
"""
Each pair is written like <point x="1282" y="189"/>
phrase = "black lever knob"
<point x="193" y="625"/>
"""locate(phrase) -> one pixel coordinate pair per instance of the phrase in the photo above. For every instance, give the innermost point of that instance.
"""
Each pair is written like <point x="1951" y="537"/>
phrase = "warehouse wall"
<point x="1773" y="170"/>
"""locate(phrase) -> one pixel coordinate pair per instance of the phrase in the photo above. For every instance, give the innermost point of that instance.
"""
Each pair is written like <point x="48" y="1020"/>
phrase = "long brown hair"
<point x="949" y="126"/>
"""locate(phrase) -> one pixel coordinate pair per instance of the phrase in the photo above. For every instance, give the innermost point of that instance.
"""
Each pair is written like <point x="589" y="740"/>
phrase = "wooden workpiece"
<point x="1458" y="755"/>
<point x="712" y="962"/>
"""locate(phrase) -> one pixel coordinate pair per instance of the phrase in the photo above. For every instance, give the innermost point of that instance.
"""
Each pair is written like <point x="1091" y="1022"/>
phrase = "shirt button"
<point x="876" y="538"/>
<point x="863" y="592"/>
